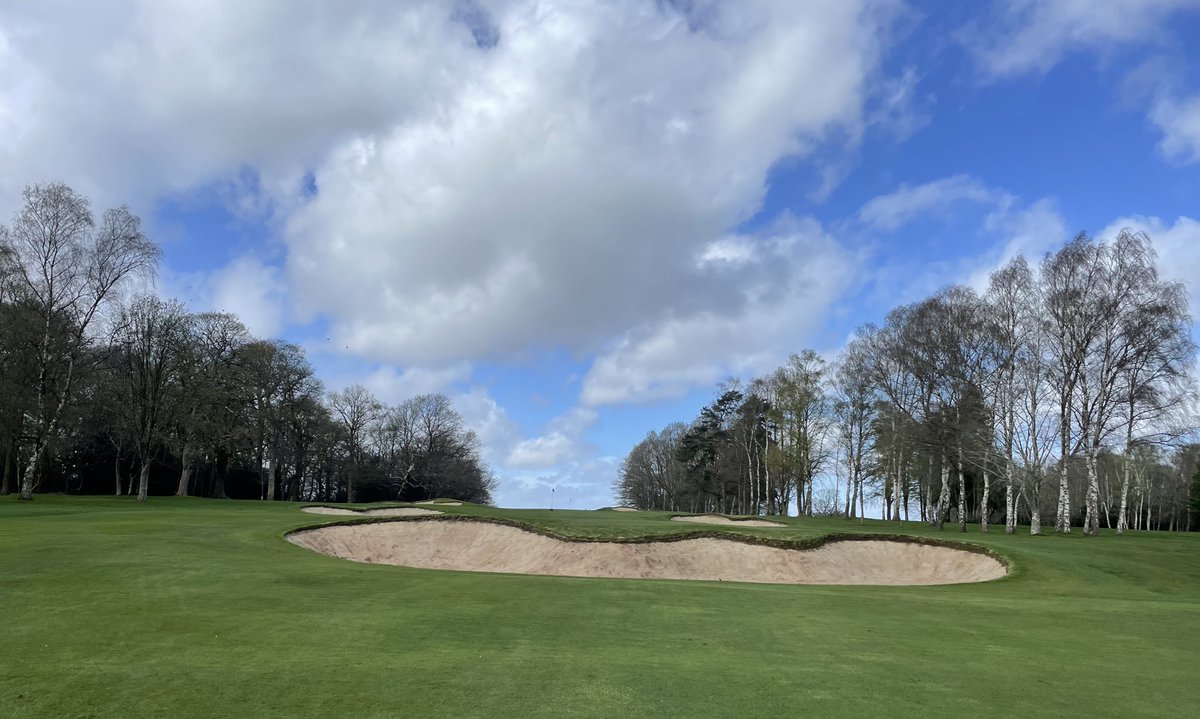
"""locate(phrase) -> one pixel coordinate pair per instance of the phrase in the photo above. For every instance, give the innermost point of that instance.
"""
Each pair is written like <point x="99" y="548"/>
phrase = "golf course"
<point x="199" y="607"/>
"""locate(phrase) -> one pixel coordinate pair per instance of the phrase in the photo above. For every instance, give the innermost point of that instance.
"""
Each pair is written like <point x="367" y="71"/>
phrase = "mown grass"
<point x="191" y="607"/>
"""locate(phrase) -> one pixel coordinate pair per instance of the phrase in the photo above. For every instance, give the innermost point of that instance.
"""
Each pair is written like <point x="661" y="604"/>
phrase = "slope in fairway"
<point x="191" y="607"/>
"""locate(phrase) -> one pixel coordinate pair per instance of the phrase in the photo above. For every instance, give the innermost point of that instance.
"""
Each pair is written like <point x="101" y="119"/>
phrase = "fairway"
<point x="195" y="607"/>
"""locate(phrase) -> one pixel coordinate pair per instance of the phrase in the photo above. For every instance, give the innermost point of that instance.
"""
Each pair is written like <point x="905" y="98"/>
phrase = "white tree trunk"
<point x="143" y="481"/>
<point x="962" y="492"/>
<point x="1091" y="522"/>
<point x="944" y="496"/>
<point x="983" y="503"/>
<point x="1010" y="504"/>
<point x="1062" y="520"/>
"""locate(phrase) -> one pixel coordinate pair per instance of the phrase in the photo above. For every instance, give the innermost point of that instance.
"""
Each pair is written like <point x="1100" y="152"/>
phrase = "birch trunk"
<point x="143" y="481"/>
<point x="850" y="493"/>
<point x="962" y="492"/>
<point x="944" y="497"/>
<point x="862" y="506"/>
<point x="983" y="503"/>
<point x="1091" y="521"/>
<point x="1122" y="516"/>
<point x="1010" y="510"/>
<point x="117" y="474"/>
<point x="1062" y="519"/>
<point x="896" y="491"/>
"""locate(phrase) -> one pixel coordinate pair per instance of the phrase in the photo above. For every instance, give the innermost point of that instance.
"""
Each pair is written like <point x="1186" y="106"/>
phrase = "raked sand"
<point x="489" y="547"/>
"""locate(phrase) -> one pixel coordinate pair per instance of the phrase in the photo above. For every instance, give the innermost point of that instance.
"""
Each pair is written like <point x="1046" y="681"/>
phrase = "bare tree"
<point x="151" y="342"/>
<point x="68" y="269"/>
<point x="208" y="396"/>
<point x="855" y="405"/>
<point x="356" y="409"/>
<point x="1151" y="366"/>
<point x="802" y="417"/>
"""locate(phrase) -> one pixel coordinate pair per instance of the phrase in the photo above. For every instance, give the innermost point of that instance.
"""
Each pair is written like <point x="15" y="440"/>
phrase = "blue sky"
<point x="576" y="219"/>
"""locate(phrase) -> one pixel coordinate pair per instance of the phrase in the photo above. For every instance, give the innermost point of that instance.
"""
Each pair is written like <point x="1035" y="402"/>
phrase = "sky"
<point x="577" y="217"/>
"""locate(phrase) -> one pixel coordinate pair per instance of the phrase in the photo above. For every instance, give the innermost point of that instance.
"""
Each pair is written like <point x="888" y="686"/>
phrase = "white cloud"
<point x="559" y="195"/>
<point x="1031" y="231"/>
<point x="483" y="415"/>
<point x="1177" y="245"/>
<point x="891" y="211"/>
<point x="561" y="442"/>
<point x="1179" y="122"/>
<point x="1034" y="35"/>
<point x="526" y="175"/>
<point x="253" y="290"/>
<point x="393" y="385"/>
<point x="1007" y="226"/>
<point x="781" y="296"/>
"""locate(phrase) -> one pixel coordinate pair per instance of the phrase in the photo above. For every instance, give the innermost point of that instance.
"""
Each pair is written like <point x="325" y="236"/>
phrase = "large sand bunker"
<point x="718" y="519"/>
<point x="477" y="546"/>
<point x="382" y="512"/>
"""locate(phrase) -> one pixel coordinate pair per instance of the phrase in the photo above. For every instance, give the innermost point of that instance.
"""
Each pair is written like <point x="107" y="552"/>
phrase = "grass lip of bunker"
<point x="726" y="521"/>
<point x="377" y="512"/>
<point x="489" y="544"/>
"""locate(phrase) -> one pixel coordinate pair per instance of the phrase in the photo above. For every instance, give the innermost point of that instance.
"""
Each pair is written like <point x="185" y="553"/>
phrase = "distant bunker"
<point x="483" y="546"/>
<point x="381" y="512"/>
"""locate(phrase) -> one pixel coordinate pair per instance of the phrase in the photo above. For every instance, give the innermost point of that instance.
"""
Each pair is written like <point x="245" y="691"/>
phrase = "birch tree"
<point x="69" y="270"/>
<point x="802" y="415"/>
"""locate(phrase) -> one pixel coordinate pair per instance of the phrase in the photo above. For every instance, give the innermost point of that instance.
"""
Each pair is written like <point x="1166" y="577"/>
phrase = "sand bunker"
<point x="384" y="512"/>
<point x="624" y="509"/>
<point x="489" y="547"/>
<point x="717" y="519"/>
<point x="434" y="501"/>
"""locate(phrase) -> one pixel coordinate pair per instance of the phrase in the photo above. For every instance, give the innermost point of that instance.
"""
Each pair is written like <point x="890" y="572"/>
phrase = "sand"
<point x="624" y="509"/>
<point x="490" y="547"/>
<point x="717" y="519"/>
<point x="434" y="501"/>
<point x="385" y="512"/>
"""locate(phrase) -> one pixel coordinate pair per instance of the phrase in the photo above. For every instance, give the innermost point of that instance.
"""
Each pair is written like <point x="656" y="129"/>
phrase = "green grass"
<point x="191" y="607"/>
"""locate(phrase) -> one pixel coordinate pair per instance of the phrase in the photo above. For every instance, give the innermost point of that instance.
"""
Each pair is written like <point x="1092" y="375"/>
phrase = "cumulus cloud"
<point x="560" y="194"/>
<point x="561" y="442"/>
<point x="1179" y="122"/>
<point x="394" y="385"/>
<point x="254" y="290"/>
<point x="784" y="280"/>
<point x="1034" y="35"/>
<point x="133" y="98"/>
<point x="456" y="182"/>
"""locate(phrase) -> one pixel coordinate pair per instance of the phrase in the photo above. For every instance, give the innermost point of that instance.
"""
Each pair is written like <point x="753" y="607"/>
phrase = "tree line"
<point x="1063" y="392"/>
<point x="103" y="389"/>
